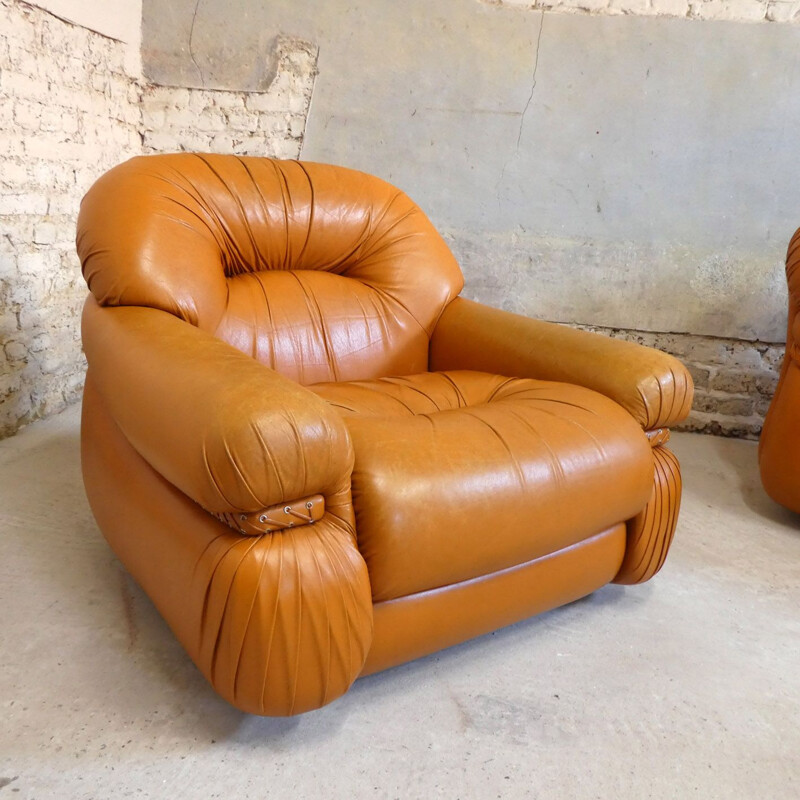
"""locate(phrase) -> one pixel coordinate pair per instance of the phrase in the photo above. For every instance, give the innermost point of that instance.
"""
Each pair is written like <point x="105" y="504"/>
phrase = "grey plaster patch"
<point x="662" y="151"/>
<point x="626" y="284"/>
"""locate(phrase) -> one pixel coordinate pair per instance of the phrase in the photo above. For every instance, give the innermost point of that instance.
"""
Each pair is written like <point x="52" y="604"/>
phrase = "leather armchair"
<point x="316" y="458"/>
<point x="779" y="445"/>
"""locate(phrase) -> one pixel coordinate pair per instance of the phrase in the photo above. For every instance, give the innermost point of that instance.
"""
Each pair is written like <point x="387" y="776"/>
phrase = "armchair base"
<point x="163" y="543"/>
<point x="420" y="624"/>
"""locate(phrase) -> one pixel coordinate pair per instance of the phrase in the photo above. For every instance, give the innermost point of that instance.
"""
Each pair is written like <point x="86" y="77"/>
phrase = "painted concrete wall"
<point x="740" y="10"/>
<point x="644" y="178"/>
<point x="617" y="171"/>
<point x="627" y="166"/>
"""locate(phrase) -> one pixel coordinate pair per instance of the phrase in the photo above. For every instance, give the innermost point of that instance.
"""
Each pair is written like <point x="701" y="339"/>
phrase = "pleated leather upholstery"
<point x="278" y="624"/>
<point x="460" y="474"/>
<point x="319" y="272"/>
<point x="247" y="438"/>
<point x="247" y="324"/>
<point x="288" y="615"/>
<point x="779" y="445"/>
<point x="650" y="532"/>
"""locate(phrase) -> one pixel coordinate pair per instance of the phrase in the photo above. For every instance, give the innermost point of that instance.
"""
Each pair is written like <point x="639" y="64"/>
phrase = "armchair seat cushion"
<point x="460" y="474"/>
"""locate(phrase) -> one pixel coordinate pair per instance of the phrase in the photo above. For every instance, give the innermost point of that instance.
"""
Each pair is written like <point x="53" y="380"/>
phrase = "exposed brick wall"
<point x="68" y="112"/>
<point x="739" y="10"/>
<point x="270" y="123"/>
<point x="734" y="379"/>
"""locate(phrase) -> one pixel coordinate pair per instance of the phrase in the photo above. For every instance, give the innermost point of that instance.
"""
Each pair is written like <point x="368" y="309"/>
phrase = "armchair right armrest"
<point x="653" y="387"/>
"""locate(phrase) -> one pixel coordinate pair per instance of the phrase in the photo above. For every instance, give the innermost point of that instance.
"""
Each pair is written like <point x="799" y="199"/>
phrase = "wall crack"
<point x="527" y="105"/>
<point x="191" y="38"/>
<point x="533" y="78"/>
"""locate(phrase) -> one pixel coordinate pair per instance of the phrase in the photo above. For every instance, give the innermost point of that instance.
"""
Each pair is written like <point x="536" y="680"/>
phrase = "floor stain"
<point x="464" y="717"/>
<point x="130" y="613"/>
<point x="6" y="781"/>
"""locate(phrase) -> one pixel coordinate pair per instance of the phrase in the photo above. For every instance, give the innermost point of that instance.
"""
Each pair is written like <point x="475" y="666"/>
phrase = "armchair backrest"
<point x="320" y="272"/>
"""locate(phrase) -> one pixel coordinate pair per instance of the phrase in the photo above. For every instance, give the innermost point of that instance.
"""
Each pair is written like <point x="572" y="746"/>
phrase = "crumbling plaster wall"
<point x="627" y="166"/>
<point x="120" y="20"/>
<point x="72" y="105"/>
<point x="262" y="123"/>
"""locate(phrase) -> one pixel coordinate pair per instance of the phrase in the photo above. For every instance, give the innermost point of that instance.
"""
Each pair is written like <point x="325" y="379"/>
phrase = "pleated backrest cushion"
<point x="320" y="272"/>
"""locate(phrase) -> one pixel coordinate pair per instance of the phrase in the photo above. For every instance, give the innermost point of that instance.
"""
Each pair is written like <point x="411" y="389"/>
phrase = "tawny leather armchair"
<point x="316" y="458"/>
<point x="779" y="445"/>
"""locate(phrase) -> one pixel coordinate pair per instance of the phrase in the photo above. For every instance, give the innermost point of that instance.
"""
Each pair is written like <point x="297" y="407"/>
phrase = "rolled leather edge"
<point x="654" y="387"/>
<point x="278" y="624"/>
<point x="227" y="431"/>
<point x="650" y="533"/>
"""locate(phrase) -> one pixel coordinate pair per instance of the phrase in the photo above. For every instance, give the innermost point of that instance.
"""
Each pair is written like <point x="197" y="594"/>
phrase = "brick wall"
<point x="734" y="379"/>
<point x="739" y="10"/>
<point x="68" y="111"/>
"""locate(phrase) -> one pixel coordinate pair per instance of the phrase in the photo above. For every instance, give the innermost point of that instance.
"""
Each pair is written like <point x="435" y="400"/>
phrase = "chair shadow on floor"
<point x="68" y="566"/>
<point x="744" y="461"/>
<point x="102" y="600"/>
<point x="114" y="623"/>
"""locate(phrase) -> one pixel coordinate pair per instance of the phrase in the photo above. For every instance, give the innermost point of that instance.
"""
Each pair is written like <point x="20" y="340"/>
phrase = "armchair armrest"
<point x="230" y="433"/>
<point x="653" y="387"/>
<point x="278" y="624"/>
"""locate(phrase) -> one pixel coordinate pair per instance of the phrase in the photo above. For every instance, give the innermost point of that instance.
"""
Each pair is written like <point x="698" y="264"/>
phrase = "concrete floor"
<point x="688" y="686"/>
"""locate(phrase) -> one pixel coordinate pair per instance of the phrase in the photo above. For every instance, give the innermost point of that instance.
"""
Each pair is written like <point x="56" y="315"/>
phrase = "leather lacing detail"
<point x="279" y="517"/>
<point x="657" y="436"/>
